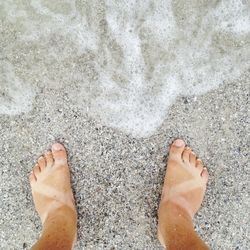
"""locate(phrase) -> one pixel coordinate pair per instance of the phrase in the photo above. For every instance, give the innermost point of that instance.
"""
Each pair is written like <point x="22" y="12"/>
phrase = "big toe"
<point x="59" y="153"/>
<point x="177" y="148"/>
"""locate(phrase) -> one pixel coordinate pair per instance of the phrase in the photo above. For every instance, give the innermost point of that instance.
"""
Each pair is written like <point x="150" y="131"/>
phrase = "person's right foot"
<point x="184" y="184"/>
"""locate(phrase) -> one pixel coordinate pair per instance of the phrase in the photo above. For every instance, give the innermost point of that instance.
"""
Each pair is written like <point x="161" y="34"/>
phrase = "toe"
<point x="32" y="178"/>
<point x="177" y="148"/>
<point x="59" y="154"/>
<point x="185" y="155"/>
<point x="199" y="165"/>
<point x="192" y="158"/>
<point x="42" y="163"/>
<point x="36" y="171"/>
<point x="49" y="159"/>
<point x="204" y="174"/>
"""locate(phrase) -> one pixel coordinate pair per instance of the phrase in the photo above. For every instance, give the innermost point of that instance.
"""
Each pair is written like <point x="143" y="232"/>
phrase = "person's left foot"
<point x="50" y="183"/>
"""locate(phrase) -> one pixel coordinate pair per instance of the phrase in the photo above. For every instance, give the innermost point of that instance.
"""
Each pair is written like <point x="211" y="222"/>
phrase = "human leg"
<point x="53" y="199"/>
<point x="183" y="191"/>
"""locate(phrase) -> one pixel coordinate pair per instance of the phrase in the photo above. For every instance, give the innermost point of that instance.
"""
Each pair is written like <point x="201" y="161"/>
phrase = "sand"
<point x="116" y="83"/>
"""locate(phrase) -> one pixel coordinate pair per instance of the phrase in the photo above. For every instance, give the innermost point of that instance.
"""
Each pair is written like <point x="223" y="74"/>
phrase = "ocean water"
<point x="123" y="62"/>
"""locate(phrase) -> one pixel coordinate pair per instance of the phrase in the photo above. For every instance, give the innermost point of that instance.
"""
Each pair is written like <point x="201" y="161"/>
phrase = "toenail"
<point x="179" y="143"/>
<point x="57" y="147"/>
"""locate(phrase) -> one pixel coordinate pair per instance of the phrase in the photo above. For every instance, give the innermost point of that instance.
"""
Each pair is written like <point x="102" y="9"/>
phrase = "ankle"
<point x="176" y="212"/>
<point x="59" y="230"/>
<point x="62" y="220"/>
<point x="173" y="220"/>
<point x="64" y="211"/>
<point x="176" y="229"/>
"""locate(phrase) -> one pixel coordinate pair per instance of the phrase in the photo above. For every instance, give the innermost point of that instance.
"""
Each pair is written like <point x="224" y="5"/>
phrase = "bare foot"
<point x="50" y="184"/>
<point x="184" y="184"/>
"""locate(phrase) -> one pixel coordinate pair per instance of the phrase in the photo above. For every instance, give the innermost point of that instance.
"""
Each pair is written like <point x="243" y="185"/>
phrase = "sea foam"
<point x="129" y="59"/>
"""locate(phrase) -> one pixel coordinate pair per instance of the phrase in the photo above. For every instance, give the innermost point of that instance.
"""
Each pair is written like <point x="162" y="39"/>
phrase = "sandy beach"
<point x="116" y="83"/>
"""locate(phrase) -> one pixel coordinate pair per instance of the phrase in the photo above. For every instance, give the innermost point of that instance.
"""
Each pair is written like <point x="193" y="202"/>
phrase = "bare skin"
<point x="53" y="199"/>
<point x="182" y="195"/>
<point x="183" y="192"/>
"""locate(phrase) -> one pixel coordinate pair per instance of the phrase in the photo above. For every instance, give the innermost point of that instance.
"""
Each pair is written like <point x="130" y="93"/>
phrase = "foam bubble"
<point x="133" y="58"/>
